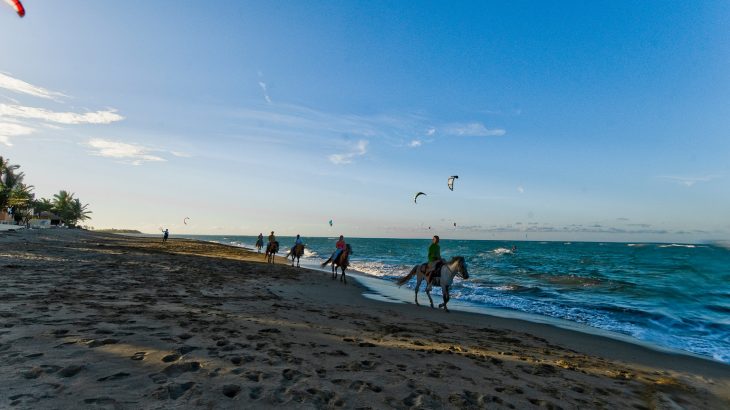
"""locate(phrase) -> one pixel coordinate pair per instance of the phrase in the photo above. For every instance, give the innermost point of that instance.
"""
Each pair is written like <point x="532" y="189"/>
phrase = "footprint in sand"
<point x="33" y="373"/>
<point x="185" y="349"/>
<point x="70" y="371"/>
<point x="231" y="390"/>
<point x="291" y="374"/>
<point x="255" y="393"/>
<point x="177" y="369"/>
<point x="173" y="391"/>
<point x="115" y="376"/>
<point x="171" y="358"/>
<point x="97" y="343"/>
<point x="139" y="356"/>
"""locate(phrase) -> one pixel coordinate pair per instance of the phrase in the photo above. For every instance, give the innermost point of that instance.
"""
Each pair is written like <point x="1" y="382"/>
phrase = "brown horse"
<point x="342" y="261"/>
<point x="444" y="278"/>
<point x="271" y="250"/>
<point x="296" y="252"/>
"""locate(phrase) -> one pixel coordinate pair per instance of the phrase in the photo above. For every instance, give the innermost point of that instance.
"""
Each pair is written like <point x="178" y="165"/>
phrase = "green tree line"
<point x="18" y="197"/>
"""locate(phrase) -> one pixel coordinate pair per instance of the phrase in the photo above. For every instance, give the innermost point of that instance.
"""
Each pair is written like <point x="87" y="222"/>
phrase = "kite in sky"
<point x="415" y="199"/>
<point x="17" y="6"/>
<point x="451" y="181"/>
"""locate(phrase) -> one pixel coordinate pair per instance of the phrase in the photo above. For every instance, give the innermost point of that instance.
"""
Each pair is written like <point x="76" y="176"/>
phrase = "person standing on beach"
<point x="165" y="234"/>
<point x="434" y="258"/>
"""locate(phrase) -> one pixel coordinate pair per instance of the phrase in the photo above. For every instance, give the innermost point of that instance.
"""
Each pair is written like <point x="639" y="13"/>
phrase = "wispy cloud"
<point x="521" y="189"/>
<point x="415" y="143"/>
<point x="180" y="154"/>
<point x="19" y="86"/>
<point x="265" y="89"/>
<point x="9" y="129"/>
<point x="360" y="149"/>
<point x="689" y="181"/>
<point x="131" y="153"/>
<point x="95" y="117"/>
<point x="431" y="131"/>
<point x="508" y="112"/>
<point x="472" y="129"/>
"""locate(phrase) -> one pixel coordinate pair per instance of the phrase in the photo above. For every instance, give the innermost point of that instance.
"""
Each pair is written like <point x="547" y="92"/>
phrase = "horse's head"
<point x="349" y="249"/>
<point x="461" y="267"/>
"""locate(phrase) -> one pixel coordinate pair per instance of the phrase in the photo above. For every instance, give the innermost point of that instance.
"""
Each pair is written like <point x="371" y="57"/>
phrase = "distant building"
<point x="45" y="219"/>
<point x="6" y="218"/>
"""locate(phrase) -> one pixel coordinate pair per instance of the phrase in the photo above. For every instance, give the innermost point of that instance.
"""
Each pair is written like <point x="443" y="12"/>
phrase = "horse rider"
<point x="260" y="241"/>
<point x="272" y="239"/>
<point x="298" y="241"/>
<point x="340" y="246"/>
<point x="434" y="259"/>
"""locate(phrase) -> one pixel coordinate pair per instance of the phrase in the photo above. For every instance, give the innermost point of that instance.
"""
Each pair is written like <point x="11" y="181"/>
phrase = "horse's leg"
<point x="343" y="276"/>
<point x="445" y="292"/>
<point x="418" y="285"/>
<point x="428" y="293"/>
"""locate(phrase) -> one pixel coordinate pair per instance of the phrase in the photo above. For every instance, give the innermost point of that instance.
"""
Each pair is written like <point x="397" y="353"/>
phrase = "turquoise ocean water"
<point x="674" y="296"/>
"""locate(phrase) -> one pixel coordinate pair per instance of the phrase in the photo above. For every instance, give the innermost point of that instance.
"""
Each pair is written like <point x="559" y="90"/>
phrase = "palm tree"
<point x="62" y="205"/>
<point x="79" y="211"/>
<point x="21" y="199"/>
<point x="9" y="179"/>
<point x="70" y="209"/>
<point x="43" y="205"/>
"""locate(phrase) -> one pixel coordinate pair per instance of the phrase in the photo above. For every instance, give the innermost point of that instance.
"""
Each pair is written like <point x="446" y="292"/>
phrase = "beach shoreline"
<point x="279" y="336"/>
<point x="387" y="291"/>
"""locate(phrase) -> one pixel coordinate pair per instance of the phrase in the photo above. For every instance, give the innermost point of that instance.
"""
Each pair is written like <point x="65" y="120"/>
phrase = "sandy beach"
<point x="91" y="320"/>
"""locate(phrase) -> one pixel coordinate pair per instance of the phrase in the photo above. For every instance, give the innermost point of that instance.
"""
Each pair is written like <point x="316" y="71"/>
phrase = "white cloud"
<point x="9" y="129"/>
<point x="690" y="181"/>
<point x="265" y="89"/>
<point x="96" y="117"/>
<point x="520" y="189"/>
<point x="20" y="86"/>
<point x="132" y="153"/>
<point x="360" y="149"/>
<point x="431" y="131"/>
<point x="472" y="129"/>
<point x="415" y="143"/>
<point x="181" y="154"/>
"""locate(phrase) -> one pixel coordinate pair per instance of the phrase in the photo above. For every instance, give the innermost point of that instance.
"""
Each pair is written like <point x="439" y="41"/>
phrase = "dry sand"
<point x="107" y="321"/>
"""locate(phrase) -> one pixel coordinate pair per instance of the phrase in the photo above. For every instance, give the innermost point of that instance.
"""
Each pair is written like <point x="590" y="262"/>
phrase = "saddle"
<point x="436" y="273"/>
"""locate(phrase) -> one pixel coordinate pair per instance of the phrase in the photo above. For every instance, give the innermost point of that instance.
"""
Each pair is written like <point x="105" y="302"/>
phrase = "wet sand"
<point x="91" y="320"/>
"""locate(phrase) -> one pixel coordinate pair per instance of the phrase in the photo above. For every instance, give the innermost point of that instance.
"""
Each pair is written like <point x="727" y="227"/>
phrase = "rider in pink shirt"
<point x="340" y="245"/>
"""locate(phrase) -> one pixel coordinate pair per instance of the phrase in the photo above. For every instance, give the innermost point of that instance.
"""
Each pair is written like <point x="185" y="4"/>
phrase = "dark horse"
<point x="342" y="261"/>
<point x="271" y="249"/>
<point x="443" y="278"/>
<point x="259" y="245"/>
<point x="296" y="252"/>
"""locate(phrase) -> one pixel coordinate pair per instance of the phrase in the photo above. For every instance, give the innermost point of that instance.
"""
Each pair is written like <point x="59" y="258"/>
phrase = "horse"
<point x="342" y="261"/>
<point x="271" y="249"/>
<point x="456" y="265"/>
<point x="296" y="252"/>
<point x="259" y="245"/>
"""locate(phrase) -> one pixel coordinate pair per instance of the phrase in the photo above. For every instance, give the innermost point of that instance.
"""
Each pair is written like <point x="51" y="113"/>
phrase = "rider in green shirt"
<point x="434" y="258"/>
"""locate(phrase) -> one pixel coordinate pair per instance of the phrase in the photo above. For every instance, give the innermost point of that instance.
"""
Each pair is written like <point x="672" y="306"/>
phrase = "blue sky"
<point x="575" y="121"/>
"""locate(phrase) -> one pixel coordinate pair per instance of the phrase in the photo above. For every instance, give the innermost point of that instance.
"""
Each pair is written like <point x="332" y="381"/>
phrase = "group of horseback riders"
<point x="297" y="250"/>
<point x="436" y="272"/>
<point x="434" y="252"/>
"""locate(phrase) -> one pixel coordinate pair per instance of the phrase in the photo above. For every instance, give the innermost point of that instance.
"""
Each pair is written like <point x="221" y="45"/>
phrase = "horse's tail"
<point x="326" y="262"/>
<point x="402" y="281"/>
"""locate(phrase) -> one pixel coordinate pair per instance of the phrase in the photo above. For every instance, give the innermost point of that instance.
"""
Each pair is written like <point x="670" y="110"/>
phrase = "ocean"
<point x="674" y="296"/>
